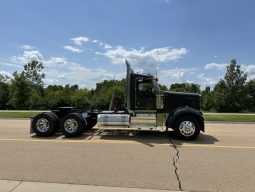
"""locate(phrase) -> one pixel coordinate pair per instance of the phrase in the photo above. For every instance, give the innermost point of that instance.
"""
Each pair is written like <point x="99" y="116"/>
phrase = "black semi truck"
<point x="147" y="108"/>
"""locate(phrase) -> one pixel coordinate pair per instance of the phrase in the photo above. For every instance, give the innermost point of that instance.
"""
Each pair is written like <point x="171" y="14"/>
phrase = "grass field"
<point x="18" y="114"/>
<point x="239" y="117"/>
<point x="221" y="117"/>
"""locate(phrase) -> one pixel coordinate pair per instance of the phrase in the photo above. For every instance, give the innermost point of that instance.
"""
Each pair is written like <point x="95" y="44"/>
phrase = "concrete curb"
<point x="25" y="186"/>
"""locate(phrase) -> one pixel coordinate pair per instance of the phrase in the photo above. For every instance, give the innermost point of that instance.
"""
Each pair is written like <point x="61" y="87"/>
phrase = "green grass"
<point x="240" y="117"/>
<point x="18" y="114"/>
<point x="230" y="117"/>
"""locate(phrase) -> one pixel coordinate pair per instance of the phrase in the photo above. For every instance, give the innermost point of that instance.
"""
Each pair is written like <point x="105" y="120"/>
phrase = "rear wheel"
<point x="72" y="125"/>
<point x="56" y="121"/>
<point x="187" y="128"/>
<point x="44" y="124"/>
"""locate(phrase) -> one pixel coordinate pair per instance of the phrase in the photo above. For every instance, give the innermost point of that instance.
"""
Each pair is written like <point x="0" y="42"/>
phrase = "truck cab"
<point x="147" y="108"/>
<point x="144" y="96"/>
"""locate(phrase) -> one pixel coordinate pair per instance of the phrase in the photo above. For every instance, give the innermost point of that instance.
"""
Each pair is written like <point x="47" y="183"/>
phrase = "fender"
<point x="180" y="111"/>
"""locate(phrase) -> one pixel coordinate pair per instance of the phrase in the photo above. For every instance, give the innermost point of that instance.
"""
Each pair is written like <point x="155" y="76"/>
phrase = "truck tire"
<point x="56" y="121"/>
<point x="72" y="125"/>
<point x="187" y="128"/>
<point x="44" y="125"/>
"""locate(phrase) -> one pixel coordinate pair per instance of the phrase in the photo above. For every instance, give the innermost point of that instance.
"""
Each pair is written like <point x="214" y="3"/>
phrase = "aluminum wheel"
<point x="71" y="125"/>
<point x="187" y="128"/>
<point x="42" y="125"/>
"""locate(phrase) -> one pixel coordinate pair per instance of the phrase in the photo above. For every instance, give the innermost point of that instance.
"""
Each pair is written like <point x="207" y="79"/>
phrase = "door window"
<point x="144" y="95"/>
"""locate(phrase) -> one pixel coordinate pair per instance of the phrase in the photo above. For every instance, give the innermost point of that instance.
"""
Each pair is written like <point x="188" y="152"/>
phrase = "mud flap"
<point x="31" y="129"/>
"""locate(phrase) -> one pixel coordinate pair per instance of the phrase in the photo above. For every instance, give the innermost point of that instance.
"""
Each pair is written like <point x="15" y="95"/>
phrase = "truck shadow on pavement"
<point x="149" y="138"/>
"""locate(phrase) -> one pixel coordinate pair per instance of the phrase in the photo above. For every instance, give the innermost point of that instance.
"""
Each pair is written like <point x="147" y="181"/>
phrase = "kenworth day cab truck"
<point x="147" y="108"/>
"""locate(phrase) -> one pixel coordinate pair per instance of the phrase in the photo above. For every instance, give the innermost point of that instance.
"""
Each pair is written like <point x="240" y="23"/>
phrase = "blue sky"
<point x="86" y="41"/>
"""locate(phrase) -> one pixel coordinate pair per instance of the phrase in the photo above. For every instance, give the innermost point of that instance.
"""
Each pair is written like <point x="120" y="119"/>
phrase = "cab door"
<point x="145" y="97"/>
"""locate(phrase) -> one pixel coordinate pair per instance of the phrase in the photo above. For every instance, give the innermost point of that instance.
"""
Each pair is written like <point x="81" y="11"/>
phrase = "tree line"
<point x="26" y="90"/>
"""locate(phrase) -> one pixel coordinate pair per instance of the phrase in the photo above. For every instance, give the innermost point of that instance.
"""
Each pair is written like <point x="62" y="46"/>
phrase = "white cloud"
<point x="212" y="66"/>
<point x="27" y="47"/>
<point x="56" y="61"/>
<point x="72" y="49"/>
<point x="176" y="73"/>
<point x="12" y="65"/>
<point x="107" y="46"/>
<point x="67" y="72"/>
<point x="146" y="60"/>
<point x="206" y="81"/>
<point x="102" y="44"/>
<point x="6" y="74"/>
<point x="162" y="55"/>
<point x="27" y="57"/>
<point x="170" y="76"/>
<point x="60" y="71"/>
<point x="95" y="41"/>
<point x="249" y="69"/>
<point x="80" y="40"/>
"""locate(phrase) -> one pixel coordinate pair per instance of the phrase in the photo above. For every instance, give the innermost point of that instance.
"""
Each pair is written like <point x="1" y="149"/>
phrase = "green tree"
<point x="4" y="91"/>
<point x="230" y="94"/>
<point x="52" y="96"/>
<point x="20" y="91"/>
<point x="250" y="88"/>
<point x="193" y="88"/>
<point x="27" y="86"/>
<point x="81" y="99"/>
<point x="178" y="87"/>
<point x="57" y="95"/>
<point x="163" y="87"/>
<point x="185" y="87"/>
<point x="33" y="72"/>
<point x="37" y="98"/>
<point x="102" y="95"/>
<point x="206" y="99"/>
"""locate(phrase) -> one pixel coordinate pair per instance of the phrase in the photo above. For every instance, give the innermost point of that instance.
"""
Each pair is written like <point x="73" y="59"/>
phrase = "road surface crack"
<point x="16" y="186"/>
<point x="175" y="160"/>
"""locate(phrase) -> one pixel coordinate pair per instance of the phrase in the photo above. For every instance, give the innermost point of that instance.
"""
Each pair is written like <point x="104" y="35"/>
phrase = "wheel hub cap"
<point x="71" y="125"/>
<point x="187" y="128"/>
<point x="42" y="125"/>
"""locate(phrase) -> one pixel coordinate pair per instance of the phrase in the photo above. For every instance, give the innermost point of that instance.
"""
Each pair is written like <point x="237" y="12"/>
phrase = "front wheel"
<point x="187" y="128"/>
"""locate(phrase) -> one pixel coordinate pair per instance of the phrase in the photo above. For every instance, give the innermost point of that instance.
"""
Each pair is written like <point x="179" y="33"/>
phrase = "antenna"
<point x="157" y="64"/>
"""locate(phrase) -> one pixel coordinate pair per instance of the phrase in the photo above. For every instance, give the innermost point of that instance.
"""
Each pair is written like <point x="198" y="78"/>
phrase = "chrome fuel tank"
<point x="121" y="120"/>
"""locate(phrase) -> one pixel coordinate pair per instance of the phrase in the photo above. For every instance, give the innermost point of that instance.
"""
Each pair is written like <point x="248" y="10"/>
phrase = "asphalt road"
<point x="222" y="159"/>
